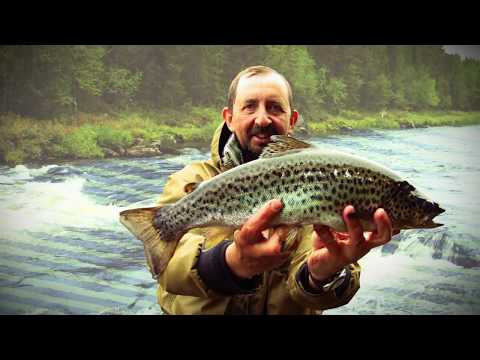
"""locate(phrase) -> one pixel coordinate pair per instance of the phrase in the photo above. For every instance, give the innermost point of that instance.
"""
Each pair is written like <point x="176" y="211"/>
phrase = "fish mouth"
<point x="431" y="224"/>
<point x="435" y="210"/>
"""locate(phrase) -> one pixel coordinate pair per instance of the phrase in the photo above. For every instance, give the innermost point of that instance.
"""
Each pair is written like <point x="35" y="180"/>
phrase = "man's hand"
<point x="251" y="253"/>
<point x="333" y="251"/>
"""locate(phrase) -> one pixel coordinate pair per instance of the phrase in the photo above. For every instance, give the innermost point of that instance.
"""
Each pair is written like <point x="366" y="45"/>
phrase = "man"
<point x="215" y="271"/>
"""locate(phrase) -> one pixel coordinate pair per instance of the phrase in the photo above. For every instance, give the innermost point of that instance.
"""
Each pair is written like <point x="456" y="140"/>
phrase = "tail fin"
<point x="159" y="238"/>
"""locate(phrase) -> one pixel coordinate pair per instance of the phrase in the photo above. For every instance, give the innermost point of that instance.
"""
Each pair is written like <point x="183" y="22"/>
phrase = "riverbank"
<point x="138" y="134"/>
<point x="348" y="121"/>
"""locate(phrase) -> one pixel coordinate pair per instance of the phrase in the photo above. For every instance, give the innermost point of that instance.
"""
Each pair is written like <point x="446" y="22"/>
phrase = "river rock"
<point x="110" y="153"/>
<point x="138" y="141"/>
<point x="168" y="145"/>
<point x="142" y="151"/>
<point x="406" y="124"/>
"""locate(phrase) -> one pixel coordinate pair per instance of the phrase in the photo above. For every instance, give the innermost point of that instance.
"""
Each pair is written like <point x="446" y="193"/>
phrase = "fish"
<point x="315" y="184"/>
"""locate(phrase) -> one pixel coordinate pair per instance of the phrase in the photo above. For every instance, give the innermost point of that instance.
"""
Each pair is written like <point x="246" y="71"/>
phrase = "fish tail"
<point x="159" y="235"/>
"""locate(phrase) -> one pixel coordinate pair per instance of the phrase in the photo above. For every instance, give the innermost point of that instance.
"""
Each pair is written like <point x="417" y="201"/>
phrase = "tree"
<point x="336" y="94"/>
<point x="352" y="78"/>
<point x="298" y="66"/>
<point x="203" y="74"/>
<point x="423" y="93"/>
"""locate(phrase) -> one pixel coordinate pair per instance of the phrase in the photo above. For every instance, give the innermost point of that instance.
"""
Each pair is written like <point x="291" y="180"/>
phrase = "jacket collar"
<point x="225" y="150"/>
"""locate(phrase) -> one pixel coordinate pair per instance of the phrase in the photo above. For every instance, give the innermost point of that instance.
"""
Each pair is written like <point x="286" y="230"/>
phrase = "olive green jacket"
<point x="182" y="291"/>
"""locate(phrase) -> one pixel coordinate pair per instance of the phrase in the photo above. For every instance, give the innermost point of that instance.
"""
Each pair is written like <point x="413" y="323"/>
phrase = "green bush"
<point x="81" y="143"/>
<point x="113" y="138"/>
<point x="15" y="157"/>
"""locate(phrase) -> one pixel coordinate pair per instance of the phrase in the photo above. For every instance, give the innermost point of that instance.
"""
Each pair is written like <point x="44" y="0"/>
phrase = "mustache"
<point x="268" y="130"/>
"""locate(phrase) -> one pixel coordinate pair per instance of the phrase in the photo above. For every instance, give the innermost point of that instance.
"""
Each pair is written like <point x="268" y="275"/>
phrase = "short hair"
<point x="254" y="71"/>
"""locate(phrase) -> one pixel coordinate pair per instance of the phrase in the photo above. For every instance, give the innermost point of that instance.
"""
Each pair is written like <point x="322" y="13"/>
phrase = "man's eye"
<point x="275" y="108"/>
<point x="249" y="107"/>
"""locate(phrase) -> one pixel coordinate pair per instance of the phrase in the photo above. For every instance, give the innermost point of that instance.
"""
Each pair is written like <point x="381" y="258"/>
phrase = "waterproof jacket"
<point x="182" y="291"/>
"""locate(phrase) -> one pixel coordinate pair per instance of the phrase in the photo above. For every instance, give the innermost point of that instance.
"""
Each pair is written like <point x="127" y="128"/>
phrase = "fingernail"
<point x="351" y="212"/>
<point x="276" y="205"/>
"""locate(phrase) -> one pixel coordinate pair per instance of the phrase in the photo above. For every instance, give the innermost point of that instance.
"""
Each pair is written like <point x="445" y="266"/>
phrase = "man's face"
<point x="261" y="109"/>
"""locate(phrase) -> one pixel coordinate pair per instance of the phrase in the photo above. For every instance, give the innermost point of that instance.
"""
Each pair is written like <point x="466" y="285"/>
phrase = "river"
<point x="63" y="251"/>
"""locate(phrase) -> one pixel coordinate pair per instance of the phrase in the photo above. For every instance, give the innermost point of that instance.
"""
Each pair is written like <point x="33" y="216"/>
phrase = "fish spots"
<point x="310" y="177"/>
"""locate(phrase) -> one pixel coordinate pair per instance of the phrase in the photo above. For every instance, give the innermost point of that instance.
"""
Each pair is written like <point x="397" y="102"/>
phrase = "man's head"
<point x="259" y="105"/>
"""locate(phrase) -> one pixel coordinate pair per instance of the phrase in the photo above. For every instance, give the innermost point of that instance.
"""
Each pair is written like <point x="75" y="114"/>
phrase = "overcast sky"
<point x="470" y="51"/>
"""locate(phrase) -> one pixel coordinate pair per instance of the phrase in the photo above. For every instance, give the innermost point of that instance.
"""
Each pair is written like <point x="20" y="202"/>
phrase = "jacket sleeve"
<point x="321" y="300"/>
<point x="181" y="275"/>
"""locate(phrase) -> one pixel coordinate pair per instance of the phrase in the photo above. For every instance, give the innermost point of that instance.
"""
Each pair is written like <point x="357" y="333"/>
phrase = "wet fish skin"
<point x="314" y="184"/>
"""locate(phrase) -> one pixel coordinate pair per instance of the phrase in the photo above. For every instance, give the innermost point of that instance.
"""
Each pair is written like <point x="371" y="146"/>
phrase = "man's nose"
<point x="262" y="118"/>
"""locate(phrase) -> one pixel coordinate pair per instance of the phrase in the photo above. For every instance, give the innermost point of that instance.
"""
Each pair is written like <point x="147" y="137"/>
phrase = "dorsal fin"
<point x="281" y="144"/>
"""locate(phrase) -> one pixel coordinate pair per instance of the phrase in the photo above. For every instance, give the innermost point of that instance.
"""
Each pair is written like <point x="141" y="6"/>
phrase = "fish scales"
<point x="314" y="185"/>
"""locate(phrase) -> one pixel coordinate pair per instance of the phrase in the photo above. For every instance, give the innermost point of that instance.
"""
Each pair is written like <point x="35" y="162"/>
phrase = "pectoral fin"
<point x="290" y="242"/>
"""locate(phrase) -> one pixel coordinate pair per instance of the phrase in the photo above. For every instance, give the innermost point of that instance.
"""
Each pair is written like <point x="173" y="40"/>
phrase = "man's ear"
<point x="227" y="117"/>
<point x="293" y="121"/>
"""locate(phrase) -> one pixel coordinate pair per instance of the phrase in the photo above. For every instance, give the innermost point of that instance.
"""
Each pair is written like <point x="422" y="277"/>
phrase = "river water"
<point x="63" y="251"/>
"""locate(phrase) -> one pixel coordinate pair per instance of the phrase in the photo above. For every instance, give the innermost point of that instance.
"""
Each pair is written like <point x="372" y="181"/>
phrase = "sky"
<point x="470" y="51"/>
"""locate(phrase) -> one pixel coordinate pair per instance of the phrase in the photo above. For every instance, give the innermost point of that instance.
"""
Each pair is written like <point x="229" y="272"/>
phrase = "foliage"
<point x="75" y="101"/>
<point x="81" y="143"/>
<point x="44" y="81"/>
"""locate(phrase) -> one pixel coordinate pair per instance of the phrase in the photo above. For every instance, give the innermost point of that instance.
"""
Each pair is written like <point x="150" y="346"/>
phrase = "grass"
<point x="88" y="136"/>
<point x="352" y="120"/>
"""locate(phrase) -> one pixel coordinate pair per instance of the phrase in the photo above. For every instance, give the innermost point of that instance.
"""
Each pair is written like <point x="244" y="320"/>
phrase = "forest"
<point x="86" y="88"/>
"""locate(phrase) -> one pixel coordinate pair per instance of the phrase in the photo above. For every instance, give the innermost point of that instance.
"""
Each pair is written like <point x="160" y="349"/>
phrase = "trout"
<point x="314" y="185"/>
